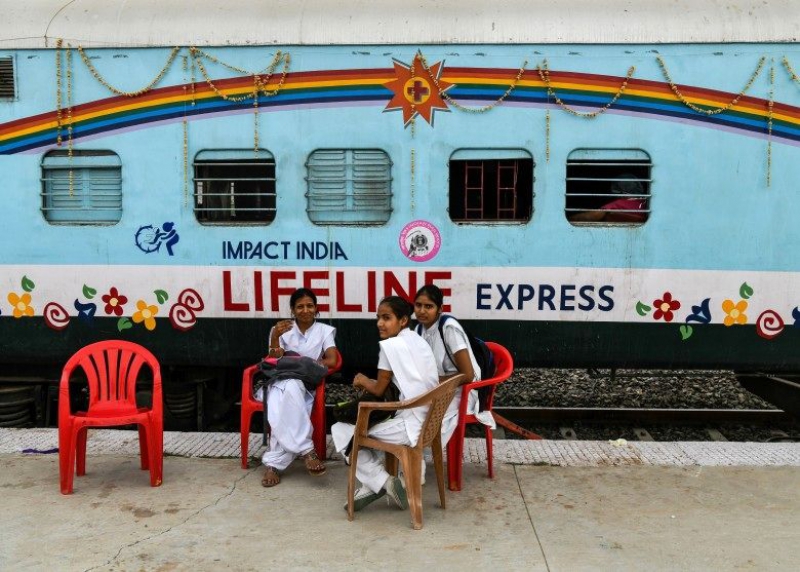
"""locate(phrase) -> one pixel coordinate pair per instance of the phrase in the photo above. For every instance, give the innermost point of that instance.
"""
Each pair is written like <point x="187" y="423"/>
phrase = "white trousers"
<point x="370" y="469"/>
<point x="289" y="415"/>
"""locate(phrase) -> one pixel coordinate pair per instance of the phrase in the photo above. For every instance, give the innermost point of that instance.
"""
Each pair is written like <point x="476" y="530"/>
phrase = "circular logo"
<point x="420" y="241"/>
<point x="417" y="90"/>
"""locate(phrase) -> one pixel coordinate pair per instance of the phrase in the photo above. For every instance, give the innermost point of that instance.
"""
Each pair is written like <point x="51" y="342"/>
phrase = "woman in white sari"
<point x="407" y="361"/>
<point x="288" y="401"/>
<point x="453" y="355"/>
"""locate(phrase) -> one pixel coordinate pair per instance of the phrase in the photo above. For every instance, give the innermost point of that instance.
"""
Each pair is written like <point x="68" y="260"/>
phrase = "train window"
<point x="349" y="186"/>
<point x="608" y="187"/>
<point x="491" y="185"/>
<point x="234" y="186"/>
<point x="85" y="188"/>
<point x="6" y="78"/>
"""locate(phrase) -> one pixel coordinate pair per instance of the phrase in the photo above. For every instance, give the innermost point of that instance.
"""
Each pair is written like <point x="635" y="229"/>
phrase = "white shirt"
<point x="317" y="339"/>
<point x="414" y="372"/>
<point x="456" y="339"/>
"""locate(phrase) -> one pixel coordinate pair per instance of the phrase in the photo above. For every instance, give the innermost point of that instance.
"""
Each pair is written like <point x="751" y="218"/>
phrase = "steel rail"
<point x="533" y="415"/>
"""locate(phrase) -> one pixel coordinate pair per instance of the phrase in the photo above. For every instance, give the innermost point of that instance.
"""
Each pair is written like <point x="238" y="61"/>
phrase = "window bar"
<point x="472" y="188"/>
<point x="503" y="190"/>
<point x="233" y="199"/>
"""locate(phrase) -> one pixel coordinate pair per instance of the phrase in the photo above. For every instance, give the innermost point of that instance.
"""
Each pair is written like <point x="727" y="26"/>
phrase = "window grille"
<point x="349" y="186"/>
<point x="491" y="185"/>
<point x="95" y="194"/>
<point x="234" y="186"/>
<point x="6" y="78"/>
<point x="608" y="186"/>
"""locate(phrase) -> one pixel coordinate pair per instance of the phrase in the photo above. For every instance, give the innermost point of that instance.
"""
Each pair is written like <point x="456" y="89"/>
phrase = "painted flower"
<point x="114" y="302"/>
<point x="735" y="312"/>
<point x="146" y="314"/>
<point x="665" y="307"/>
<point x="20" y="304"/>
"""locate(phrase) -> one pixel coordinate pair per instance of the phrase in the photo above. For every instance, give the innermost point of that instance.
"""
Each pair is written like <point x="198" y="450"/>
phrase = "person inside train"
<point x="288" y="401"/>
<point x="406" y="361"/>
<point x="628" y="205"/>
<point x="452" y="352"/>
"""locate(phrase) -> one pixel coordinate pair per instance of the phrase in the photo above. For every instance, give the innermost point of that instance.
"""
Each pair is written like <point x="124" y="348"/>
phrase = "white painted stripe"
<point x="537" y="294"/>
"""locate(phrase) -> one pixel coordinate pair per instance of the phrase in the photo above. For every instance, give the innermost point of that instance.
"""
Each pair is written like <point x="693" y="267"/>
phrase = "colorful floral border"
<point x="182" y="314"/>
<point x="769" y="323"/>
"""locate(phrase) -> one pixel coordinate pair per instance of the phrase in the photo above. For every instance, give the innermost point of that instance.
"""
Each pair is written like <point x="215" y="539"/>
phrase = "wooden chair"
<point x="251" y="405"/>
<point x="504" y="367"/>
<point x="439" y="399"/>
<point x="112" y="369"/>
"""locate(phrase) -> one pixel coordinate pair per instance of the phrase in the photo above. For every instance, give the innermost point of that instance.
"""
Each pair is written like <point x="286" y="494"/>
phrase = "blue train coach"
<point x="591" y="183"/>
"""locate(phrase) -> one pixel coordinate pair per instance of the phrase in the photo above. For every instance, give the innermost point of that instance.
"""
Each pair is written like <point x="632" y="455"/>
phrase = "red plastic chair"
<point x="112" y="368"/>
<point x="504" y="366"/>
<point x="250" y="405"/>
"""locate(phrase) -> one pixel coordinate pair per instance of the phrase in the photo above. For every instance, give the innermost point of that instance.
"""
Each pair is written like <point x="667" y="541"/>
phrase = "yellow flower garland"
<point x="694" y="107"/>
<point x="137" y="92"/>
<point x="544" y="74"/>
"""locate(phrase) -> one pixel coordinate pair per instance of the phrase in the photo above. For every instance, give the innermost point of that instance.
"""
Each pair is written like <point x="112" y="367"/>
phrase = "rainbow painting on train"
<point x="606" y="195"/>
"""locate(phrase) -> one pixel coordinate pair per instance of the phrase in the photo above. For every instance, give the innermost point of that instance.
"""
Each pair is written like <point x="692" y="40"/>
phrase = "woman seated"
<point x="406" y="361"/>
<point x="288" y="401"/>
<point x="453" y="355"/>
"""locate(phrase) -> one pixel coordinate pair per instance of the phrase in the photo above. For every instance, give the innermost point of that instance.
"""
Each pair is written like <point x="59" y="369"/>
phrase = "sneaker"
<point x="397" y="492"/>
<point x="364" y="497"/>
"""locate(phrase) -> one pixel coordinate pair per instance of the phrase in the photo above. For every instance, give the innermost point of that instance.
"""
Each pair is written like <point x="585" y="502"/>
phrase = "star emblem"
<point x="415" y="90"/>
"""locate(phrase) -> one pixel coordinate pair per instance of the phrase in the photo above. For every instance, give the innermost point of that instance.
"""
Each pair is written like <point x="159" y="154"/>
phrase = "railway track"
<point x="648" y="424"/>
<point x="645" y="416"/>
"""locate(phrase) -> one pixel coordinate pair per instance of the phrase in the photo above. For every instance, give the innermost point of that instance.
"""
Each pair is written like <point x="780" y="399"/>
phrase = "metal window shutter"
<point x="6" y="78"/>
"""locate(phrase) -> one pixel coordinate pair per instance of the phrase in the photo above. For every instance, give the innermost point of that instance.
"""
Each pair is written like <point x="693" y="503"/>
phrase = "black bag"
<point x="483" y="355"/>
<point x="290" y="366"/>
<point x="347" y="411"/>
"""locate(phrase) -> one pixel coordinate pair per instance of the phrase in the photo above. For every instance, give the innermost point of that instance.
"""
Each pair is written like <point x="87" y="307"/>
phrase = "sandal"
<point x="271" y="477"/>
<point x="314" y="464"/>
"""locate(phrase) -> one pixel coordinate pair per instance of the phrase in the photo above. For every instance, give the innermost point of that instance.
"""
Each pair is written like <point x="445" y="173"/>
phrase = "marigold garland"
<point x="770" y="111"/>
<point x="69" y="122"/>
<point x="789" y="69"/>
<point x="544" y="74"/>
<point x="547" y="135"/>
<point x="260" y="84"/>
<point x="717" y="110"/>
<point x="261" y="81"/>
<point x="457" y="105"/>
<point x="59" y="44"/>
<point x="137" y="92"/>
<point x="186" y="136"/>
<point x="413" y="185"/>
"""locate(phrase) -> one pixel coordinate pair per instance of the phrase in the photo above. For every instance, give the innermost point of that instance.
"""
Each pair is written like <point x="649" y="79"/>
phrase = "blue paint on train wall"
<point x="707" y="183"/>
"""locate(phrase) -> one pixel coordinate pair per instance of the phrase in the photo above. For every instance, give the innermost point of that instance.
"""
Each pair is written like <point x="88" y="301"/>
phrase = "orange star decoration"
<point x="416" y="92"/>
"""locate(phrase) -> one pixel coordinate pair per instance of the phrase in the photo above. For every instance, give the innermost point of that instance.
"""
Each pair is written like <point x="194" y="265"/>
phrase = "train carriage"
<point x="591" y="183"/>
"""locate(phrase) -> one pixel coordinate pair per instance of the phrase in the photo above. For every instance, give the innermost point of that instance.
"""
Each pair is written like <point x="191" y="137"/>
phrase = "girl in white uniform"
<point x="288" y="401"/>
<point x="453" y="355"/>
<point x="406" y="361"/>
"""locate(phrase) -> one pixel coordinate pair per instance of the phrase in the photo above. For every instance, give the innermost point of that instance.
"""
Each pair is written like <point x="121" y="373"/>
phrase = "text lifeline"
<point x="341" y="292"/>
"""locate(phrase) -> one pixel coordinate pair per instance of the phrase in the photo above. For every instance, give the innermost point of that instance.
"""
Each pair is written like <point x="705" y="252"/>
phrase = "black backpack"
<point x="483" y="355"/>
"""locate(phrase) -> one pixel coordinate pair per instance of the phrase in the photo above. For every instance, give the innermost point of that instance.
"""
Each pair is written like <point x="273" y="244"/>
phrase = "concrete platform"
<point x="209" y="514"/>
